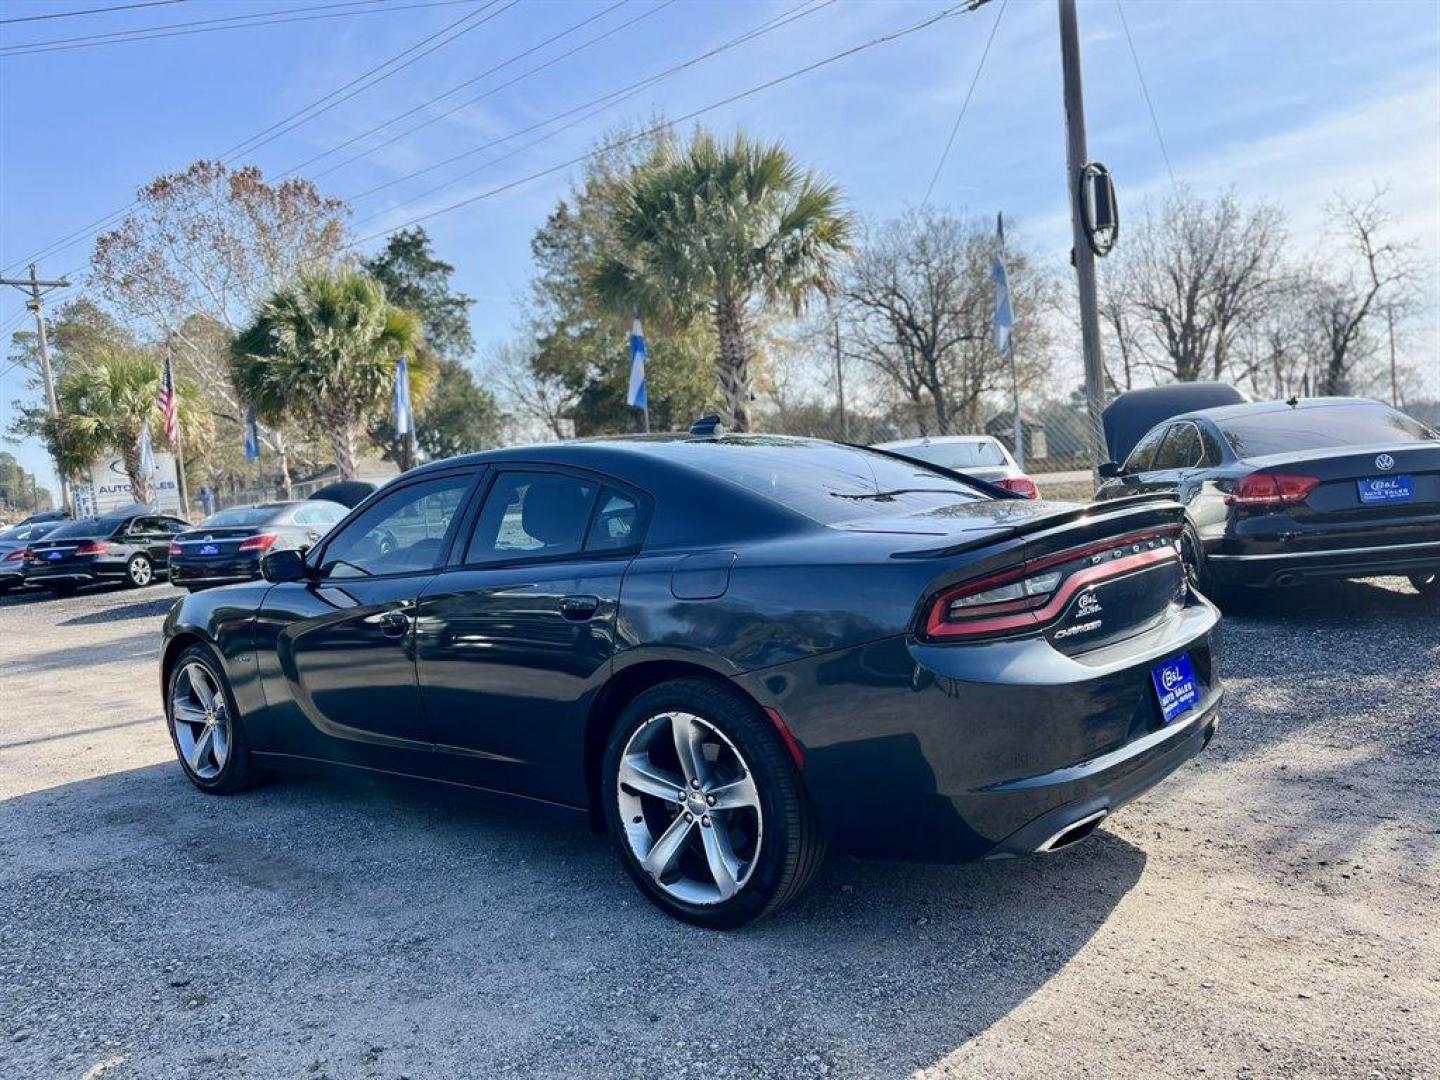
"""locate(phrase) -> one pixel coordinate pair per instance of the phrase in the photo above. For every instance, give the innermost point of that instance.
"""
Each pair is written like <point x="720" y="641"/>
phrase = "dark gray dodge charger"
<point x="732" y="652"/>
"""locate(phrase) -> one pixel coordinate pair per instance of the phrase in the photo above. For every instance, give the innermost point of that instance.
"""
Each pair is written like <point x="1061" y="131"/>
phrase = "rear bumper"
<point x="77" y="573"/>
<point x="212" y="572"/>
<point x="1283" y="568"/>
<point x="954" y="753"/>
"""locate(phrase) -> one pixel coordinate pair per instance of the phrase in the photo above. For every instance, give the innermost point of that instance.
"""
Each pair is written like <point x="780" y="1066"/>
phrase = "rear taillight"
<point x="1030" y="596"/>
<point x="258" y="543"/>
<point x="1272" y="489"/>
<point x="92" y="547"/>
<point x="175" y="549"/>
<point x="1021" y="485"/>
<point x="18" y="555"/>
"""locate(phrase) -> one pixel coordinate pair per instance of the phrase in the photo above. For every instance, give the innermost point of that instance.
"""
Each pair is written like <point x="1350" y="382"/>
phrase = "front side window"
<point x="1180" y="448"/>
<point x="1144" y="452"/>
<point x="532" y="515"/>
<point x="401" y="533"/>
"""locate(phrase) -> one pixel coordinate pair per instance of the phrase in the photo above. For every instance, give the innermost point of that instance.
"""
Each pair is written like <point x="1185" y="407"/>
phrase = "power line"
<point x="884" y="39"/>
<point x="210" y="26"/>
<point x="116" y="215"/>
<point x="808" y="7"/>
<point x="1145" y="90"/>
<point x="471" y="81"/>
<point x="350" y="89"/>
<point x="965" y="105"/>
<point x="89" y="11"/>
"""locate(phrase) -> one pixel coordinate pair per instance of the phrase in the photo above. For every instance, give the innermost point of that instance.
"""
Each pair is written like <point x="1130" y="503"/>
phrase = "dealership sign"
<point x="109" y="488"/>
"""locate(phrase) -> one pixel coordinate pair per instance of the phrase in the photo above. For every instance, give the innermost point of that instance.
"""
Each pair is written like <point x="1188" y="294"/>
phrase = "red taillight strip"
<point x="937" y="626"/>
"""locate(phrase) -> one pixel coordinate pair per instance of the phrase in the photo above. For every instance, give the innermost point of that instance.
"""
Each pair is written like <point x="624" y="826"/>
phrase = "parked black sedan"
<point x="14" y="543"/>
<point x="1279" y="493"/>
<point x="731" y="651"/>
<point x="130" y="546"/>
<point x="227" y="546"/>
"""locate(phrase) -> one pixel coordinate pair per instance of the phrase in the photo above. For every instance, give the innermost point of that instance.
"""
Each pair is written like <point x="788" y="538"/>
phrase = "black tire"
<point x="1197" y="573"/>
<point x="62" y="589"/>
<point x="1426" y="584"/>
<point x="238" y="771"/>
<point x="793" y="847"/>
<point x="139" y="572"/>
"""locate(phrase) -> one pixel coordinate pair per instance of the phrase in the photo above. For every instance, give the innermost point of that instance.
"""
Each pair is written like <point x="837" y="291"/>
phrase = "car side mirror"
<point x="1109" y="470"/>
<point x="284" y="565"/>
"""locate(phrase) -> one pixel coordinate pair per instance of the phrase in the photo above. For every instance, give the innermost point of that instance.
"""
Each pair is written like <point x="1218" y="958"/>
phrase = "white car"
<point x="981" y="456"/>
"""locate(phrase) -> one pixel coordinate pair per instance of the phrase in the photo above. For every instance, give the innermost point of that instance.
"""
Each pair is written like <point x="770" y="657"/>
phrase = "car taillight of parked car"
<point x="1030" y="596"/>
<point x="1260" y="490"/>
<point x="1021" y="485"/>
<point x="258" y="543"/>
<point x="175" y="549"/>
<point x="92" y="547"/>
<point x="18" y="555"/>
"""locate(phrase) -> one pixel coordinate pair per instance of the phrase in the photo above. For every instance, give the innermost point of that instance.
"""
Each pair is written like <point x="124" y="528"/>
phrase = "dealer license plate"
<point x="1175" y="686"/>
<point x="209" y="549"/>
<point x="1386" y="489"/>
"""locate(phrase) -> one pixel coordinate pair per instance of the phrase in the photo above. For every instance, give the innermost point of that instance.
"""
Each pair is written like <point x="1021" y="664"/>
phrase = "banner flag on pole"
<point x="404" y="420"/>
<point x="1004" y="314"/>
<point x="252" y="438"/>
<point x="147" y="454"/>
<point x="169" y="404"/>
<point x="636" y="396"/>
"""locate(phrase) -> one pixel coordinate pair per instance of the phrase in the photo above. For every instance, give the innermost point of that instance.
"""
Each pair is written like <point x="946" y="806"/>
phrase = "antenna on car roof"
<point x="708" y="426"/>
<point x="1294" y="401"/>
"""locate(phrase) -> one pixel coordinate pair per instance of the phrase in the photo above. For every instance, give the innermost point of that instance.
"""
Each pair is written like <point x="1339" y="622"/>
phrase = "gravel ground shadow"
<point x="319" y="918"/>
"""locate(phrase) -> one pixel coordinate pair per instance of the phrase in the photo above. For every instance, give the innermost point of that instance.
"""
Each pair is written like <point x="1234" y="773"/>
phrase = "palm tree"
<point x="323" y="350"/>
<point x="714" y="227"/>
<point x="104" y="406"/>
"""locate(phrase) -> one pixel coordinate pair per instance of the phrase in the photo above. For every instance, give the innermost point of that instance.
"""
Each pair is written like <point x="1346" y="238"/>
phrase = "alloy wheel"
<point x="690" y="808"/>
<point x="140" y="571"/>
<point x="200" y="720"/>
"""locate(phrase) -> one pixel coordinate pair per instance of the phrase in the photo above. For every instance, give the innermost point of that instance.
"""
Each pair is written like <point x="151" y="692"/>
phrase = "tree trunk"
<point x="342" y="443"/>
<point x="139" y="483"/>
<point x="732" y="366"/>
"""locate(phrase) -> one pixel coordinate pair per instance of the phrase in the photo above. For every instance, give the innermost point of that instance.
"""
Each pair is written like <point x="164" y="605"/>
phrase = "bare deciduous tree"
<point x="920" y="307"/>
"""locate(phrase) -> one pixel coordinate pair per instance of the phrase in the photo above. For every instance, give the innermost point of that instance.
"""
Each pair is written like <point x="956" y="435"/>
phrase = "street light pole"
<point x="1077" y="157"/>
<point x="36" y="289"/>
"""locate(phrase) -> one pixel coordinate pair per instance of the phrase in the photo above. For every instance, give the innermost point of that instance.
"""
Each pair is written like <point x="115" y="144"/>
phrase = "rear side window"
<point x="616" y="525"/>
<point x="532" y="515"/>
<point x="1322" y="428"/>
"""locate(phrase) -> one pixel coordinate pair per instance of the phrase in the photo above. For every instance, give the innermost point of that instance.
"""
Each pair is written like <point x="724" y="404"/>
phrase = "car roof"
<point x="1260" y="408"/>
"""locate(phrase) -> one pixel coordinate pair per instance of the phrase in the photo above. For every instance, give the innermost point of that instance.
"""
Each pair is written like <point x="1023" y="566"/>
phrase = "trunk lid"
<point x="217" y="542"/>
<point x="1376" y="484"/>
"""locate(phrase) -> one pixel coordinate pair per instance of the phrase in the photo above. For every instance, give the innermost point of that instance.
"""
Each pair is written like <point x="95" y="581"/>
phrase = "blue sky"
<point x="1289" y="101"/>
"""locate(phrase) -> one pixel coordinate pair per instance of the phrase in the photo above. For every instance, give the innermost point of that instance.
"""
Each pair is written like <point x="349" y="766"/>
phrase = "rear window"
<point x="956" y="455"/>
<point x="84" y="527"/>
<point x="1284" y="432"/>
<point x="826" y="482"/>
<point x="241" y="515"/>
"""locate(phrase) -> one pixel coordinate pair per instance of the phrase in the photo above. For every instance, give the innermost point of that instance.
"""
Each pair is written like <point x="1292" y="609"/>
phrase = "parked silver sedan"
<point x="981" y="456"/>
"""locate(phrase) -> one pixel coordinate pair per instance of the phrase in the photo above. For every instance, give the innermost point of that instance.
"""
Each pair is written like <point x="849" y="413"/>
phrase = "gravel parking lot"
<point x="1270" y="911"/>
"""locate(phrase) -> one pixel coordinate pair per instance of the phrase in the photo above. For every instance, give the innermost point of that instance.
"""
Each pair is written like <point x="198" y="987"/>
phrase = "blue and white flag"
<point x="252" y="438"/>
<point x="404" y="421"/>
<point x="636" y="397"/>
<point x="147" y="454"/>
<point x="1004" y="313"/>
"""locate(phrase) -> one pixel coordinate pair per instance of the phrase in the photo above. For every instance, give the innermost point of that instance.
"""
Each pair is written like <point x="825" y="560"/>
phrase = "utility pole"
<point x="1076" y="158"/>
<point x="840" y="381"/>
<point x="36" y="289"/>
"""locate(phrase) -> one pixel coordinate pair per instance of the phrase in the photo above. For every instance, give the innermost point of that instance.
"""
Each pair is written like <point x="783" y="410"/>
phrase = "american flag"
<point x="168" y="403"/>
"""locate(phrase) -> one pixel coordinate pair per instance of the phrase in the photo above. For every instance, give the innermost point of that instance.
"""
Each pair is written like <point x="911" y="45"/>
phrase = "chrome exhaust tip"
<point x="1073" y="833"/>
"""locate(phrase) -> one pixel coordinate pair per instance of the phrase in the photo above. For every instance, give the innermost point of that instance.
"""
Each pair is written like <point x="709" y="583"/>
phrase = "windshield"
<point x="969" y="454"/>
<point x="1322" y="428"/>
<point x="242" y="515"/>
<point x="827" y="482"/>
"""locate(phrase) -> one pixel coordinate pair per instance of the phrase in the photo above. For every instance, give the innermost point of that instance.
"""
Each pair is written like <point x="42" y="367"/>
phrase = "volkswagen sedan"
<point x="730" y="652"/>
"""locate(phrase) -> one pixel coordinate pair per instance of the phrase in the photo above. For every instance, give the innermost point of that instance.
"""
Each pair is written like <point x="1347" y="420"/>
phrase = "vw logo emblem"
<point x="209" y="537"/>
<point x="1384" y="463"/>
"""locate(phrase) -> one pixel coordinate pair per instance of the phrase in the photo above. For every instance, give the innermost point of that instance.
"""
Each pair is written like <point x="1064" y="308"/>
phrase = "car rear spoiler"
<point x="1133" y="511"/>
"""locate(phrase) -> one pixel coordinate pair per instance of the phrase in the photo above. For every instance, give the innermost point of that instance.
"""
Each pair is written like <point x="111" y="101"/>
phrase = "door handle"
<point x="395" y="624"/>
<point x="579" y="608"/>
